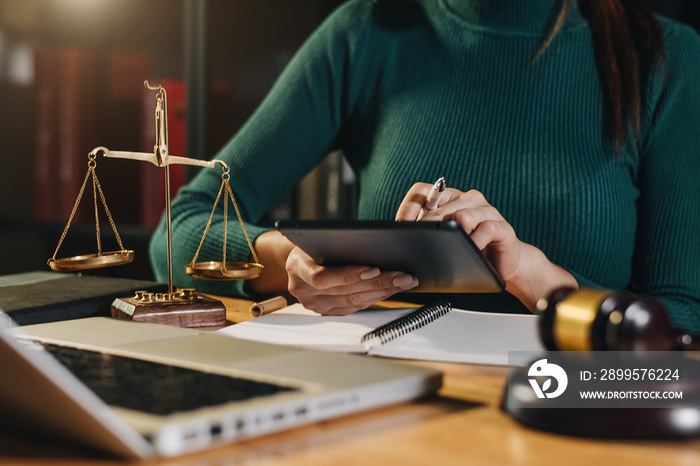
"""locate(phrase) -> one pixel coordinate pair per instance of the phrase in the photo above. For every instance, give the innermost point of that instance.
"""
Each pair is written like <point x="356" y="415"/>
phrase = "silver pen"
<point x="433" y="199"/>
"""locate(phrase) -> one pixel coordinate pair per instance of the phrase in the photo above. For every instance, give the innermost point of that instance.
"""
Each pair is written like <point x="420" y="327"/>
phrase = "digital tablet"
<point x="439" y="254"/>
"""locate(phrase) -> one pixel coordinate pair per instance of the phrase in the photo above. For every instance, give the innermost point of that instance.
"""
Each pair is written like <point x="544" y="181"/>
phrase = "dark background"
<point x="239" y="45"/>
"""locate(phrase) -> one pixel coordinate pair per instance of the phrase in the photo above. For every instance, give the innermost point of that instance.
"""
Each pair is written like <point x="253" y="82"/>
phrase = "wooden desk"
<point x="461" y="425"/>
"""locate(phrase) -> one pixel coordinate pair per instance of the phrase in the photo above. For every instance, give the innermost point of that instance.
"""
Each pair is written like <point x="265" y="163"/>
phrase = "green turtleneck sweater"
<point x="415" y="90"/>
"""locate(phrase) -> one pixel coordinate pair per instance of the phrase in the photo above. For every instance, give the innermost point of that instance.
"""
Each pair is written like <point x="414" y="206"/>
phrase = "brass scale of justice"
<point x="182" y="307"/>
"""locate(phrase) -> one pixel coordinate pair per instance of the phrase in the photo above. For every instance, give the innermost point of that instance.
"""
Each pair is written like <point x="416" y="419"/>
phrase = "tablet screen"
<point x="439" y="254"/>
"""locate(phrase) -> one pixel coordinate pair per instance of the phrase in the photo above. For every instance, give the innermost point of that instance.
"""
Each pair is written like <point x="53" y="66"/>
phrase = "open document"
<point x="455" y="336"/>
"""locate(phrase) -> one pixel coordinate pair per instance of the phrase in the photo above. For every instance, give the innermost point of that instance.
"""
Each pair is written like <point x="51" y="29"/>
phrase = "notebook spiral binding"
<point x="406" y="324"/>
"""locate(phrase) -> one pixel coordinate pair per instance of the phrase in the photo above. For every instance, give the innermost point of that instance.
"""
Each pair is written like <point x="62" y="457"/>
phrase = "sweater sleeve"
<point x="289" y="133"/>
<point x="667" y="251"/>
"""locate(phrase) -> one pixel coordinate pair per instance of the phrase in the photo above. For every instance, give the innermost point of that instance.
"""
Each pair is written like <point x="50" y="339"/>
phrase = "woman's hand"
<point x="341" y="290"/>
<point x="527" y="272"/>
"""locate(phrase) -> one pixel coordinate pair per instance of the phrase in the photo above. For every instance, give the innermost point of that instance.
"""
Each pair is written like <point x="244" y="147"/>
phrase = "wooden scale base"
<point x="182" y="309"/>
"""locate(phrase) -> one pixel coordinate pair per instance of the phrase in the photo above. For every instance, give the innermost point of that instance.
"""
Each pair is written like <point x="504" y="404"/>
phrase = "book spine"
<point x="76" y="115"/>
<point x="45" y="200"/>
<point x="405" y="325"/>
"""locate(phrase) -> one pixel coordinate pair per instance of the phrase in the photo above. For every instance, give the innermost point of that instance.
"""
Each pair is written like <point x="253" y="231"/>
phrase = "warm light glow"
<point x="84" y="4"/>
<point x="77" y="11"/>
<point x="524" y="393"/>
<point x="686" y="419"/>
<point x="20" y="65"/>
<point x="16" y="62"/>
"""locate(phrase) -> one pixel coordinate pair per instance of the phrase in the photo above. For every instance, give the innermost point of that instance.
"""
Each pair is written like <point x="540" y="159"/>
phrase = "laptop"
<point x="140" y="390"/>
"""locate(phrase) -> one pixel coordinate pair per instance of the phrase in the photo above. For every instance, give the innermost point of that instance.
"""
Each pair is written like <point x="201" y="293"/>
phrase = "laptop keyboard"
<point x="153" y="387"/>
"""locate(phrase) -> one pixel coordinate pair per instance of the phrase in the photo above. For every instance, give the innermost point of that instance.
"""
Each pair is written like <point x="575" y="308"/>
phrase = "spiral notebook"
<point x="433" y="332"/>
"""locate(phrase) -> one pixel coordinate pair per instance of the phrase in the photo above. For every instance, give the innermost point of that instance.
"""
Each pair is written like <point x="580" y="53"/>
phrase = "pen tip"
<point x="440" y="184"/>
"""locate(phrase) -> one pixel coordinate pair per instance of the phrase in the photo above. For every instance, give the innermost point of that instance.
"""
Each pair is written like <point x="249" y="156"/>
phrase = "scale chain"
<point x="97" y="216"/>
<point x="75" y="208"/>
<point x="240" y="220"/>
<point x="223" y="260"/>
<point x="92" y="164"/>
<point x="206" y="229"/>
<point x="225" y="185"/>
<point x="109" y="214"/>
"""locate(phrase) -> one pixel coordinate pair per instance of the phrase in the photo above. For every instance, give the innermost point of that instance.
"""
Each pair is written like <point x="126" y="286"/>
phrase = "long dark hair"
<point x="628" y="42"/>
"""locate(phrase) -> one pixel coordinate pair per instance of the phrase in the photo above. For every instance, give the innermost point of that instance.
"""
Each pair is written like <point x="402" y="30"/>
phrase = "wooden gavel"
<point x="591" y="319"/>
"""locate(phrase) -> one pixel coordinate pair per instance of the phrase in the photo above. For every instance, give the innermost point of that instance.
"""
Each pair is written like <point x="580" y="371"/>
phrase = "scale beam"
<point x="162" y="161"/>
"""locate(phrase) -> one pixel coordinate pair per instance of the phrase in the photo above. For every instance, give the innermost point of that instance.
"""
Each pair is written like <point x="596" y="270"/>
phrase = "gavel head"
<point x="590" y="319"/>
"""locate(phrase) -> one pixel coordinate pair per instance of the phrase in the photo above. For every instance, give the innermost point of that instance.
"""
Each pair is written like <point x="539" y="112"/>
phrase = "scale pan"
<point x="215" y="270"/>
<point x="91" y="261"/>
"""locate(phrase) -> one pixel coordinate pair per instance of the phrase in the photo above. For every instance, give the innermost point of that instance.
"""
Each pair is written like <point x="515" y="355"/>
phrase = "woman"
<point x="568" y="133"/>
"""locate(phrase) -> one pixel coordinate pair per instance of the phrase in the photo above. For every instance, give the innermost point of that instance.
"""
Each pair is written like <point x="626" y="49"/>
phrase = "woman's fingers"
<point x="454" y="201"/>
<point x="451" y="201"/>
<point x="302" y="267"/>
<point x="342" y="304"/>
<point x="412" y="202"/>
<point x="483" y="224"/>
<point x="342" y="289"/>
